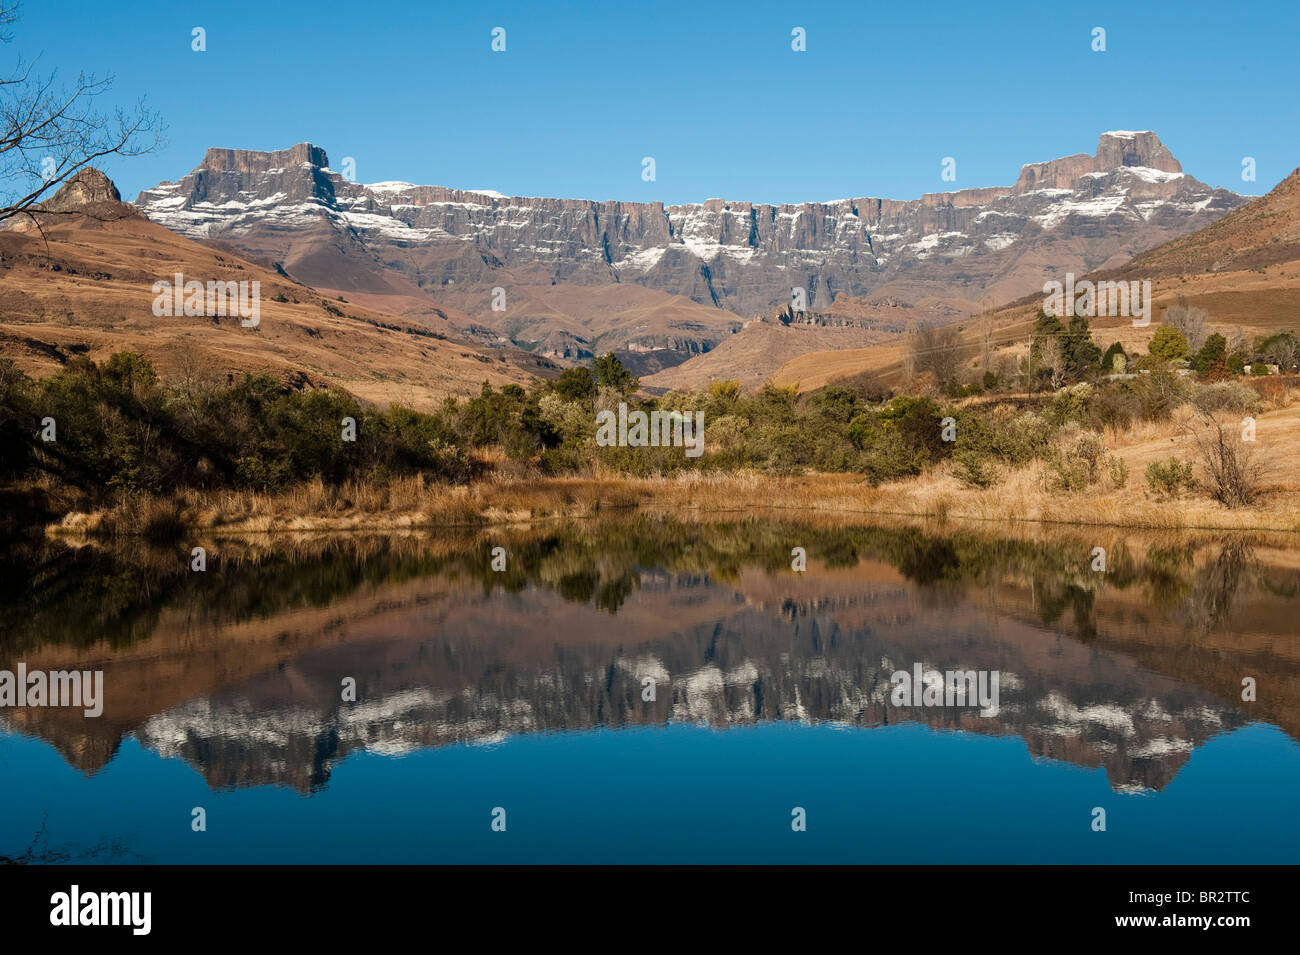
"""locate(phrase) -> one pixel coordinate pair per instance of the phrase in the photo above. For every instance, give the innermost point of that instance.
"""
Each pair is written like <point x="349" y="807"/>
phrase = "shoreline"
<point x="1019" y="500"/>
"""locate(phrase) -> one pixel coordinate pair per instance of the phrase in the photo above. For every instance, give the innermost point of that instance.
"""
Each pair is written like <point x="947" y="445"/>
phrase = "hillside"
<point x="84" y="287"/>
<point x="1243" y="269"/>
<point x="768" y="342"/>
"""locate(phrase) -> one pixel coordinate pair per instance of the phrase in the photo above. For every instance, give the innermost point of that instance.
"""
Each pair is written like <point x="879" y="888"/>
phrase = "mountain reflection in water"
<point x="238" y="671"/>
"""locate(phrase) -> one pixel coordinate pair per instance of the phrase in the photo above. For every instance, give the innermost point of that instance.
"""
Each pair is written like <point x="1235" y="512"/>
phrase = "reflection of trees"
<point x="1168" y="574"/>
<point x="1288" y="587"/>
<point x="839" y="553"/>
<point x="51" y="592"/>
<point x="928" y="561"/>
<point x="1052" y="596"/>
<point x="1216" y="585"/>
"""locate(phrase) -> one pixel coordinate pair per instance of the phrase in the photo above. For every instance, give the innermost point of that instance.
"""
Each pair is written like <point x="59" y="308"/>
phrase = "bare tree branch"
<point x="1233" y="470"/>
<point x="49" y="133"/>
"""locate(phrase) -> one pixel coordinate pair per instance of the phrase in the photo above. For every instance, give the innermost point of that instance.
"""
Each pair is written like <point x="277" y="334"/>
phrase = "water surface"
<point x="524" y="691"/>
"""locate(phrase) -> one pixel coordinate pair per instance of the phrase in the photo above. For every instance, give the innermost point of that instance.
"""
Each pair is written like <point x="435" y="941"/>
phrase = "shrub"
<point x="1070" y="404"/>
<point x="974" y="470"/>
<point x="1230" y="396"/>
<point x="1020" y="438"/>
<point x="1117" y="469"/>
<point x="1233" y="471"/>
<point x="1077" y="466"/>
<point x="1168" y="479"/>
<point x="726" y="391"/>
<point x="1113" y="407"/>
<point x="1159" y="391"/>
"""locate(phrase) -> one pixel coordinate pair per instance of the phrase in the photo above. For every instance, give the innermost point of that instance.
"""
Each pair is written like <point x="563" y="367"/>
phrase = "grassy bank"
<point x="1023" y="496"/>
<point x="111" y="451"/>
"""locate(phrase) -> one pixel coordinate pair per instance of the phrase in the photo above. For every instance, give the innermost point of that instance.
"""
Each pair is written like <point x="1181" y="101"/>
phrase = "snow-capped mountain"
<point x="737" y="259"/>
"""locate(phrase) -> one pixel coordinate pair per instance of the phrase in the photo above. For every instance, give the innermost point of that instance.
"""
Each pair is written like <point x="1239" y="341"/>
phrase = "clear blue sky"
<point x="713" y="91"/>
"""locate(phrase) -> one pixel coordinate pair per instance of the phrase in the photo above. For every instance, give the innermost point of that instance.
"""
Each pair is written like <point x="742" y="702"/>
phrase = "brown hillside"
<point x="85" y="288"/>
<point x="1244" y="269"/>
<point x="1261" y="233"/>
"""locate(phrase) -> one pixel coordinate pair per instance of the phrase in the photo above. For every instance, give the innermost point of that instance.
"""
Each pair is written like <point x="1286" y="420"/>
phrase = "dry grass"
<point x="358" y="351"/>
<point x="1019" y="497"/>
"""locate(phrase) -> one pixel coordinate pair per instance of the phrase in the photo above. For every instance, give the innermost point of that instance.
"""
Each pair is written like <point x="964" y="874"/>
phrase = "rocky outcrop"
<point x="87" y="186"/>
<point x="1115" y="150"/>
<point x="88" y="191"/>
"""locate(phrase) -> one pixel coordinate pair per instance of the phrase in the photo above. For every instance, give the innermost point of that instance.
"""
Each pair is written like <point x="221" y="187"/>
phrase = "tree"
<point x="1237" y="344"/>
<point x="1051" y="360"/>
<point x="1047" y="353"/>
<point x="49" y="132"/>
<point x="936" y="349"/>
<point x="1168" y="344"/>
<point x="1082" y="356"/>
<point x="575" y="384"/>
<point x="1211" y="360"/>
<point x="1191" y="321"/>
<point x="610" y="373"/>
<point x="1282" y="350"/>
<point x="909" y="352"/>
<point x="1108" y="360"/>
<point x="986" y="323"/>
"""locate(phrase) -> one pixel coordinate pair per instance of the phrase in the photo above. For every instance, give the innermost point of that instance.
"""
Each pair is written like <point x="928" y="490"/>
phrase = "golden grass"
<point x="1019" y="497"/>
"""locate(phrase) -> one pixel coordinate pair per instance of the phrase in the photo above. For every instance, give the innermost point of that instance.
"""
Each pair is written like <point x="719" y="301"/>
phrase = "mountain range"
<point x="659" y="285"/>
<point x="1243" y="270"/>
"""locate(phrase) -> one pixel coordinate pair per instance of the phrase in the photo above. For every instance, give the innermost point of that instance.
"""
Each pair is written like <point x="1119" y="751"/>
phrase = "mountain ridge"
<point x="701" y="268"/>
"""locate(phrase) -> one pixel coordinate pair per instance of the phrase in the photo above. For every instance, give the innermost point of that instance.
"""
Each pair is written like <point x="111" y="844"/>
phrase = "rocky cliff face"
<point x="87" y="186"/>
<point x="1079" y="213"/>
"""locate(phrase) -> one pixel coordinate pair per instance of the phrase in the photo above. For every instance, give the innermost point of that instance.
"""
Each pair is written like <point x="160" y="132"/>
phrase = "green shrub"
<point x="1168" y="479"/>
<point x="974" y="470"/>
<point x="1117" y="469"/>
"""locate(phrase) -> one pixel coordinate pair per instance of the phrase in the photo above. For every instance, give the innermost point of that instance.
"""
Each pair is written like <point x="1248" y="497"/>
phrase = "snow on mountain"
<point x="1078" y="211"/>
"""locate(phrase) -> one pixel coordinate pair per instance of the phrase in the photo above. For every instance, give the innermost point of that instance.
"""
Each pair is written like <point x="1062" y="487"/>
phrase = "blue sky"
<point x="412" y="90"/>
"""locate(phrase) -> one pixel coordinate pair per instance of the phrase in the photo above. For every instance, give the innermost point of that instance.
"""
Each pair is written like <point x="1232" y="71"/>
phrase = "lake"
<point x="645" y="689"/>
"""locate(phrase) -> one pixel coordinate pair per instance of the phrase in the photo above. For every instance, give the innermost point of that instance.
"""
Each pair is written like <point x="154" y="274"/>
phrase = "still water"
<point x="643" y="690"/>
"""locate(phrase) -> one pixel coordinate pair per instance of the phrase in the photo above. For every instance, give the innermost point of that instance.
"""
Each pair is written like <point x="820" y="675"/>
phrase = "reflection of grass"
<point x="53" y="592"/>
